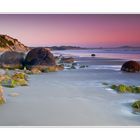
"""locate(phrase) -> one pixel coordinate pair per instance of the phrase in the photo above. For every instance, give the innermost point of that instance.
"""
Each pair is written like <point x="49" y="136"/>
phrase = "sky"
<point x="85" y="30"/>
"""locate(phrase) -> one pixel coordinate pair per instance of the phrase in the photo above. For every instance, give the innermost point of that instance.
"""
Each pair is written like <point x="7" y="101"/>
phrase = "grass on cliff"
<point x="4" y="42"/>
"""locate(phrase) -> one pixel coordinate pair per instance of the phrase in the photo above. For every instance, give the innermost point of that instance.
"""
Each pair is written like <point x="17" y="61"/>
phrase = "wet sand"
<point x="73" y="98"/>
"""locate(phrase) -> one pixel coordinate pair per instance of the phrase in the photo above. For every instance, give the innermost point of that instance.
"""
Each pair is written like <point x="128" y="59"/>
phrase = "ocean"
<point x="76" y="97"/>
<point x="103" y="53"/>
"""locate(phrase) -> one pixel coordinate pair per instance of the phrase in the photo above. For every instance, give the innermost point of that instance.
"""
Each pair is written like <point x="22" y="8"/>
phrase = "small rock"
<point x="35" y="71"/>
<point x="67" y="60"/>
<point x="2" y="72"/>
<point x="14" y="94"/>
<point x="93" y="55"/>
<point x="83" y="66"/>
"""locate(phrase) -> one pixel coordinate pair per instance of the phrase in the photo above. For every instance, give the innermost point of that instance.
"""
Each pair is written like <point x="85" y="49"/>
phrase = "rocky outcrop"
<point x="39" y="58"/>
<point x="12" y="60"/>
<point x="131" y="66"/>
<point x="8" y="43"/>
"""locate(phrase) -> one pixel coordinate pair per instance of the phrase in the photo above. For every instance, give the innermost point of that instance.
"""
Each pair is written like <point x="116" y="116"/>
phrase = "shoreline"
<point x="72" y="98"/>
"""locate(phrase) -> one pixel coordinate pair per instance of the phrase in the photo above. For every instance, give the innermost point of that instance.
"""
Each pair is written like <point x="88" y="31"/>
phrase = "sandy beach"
<point x="73" y="97"/>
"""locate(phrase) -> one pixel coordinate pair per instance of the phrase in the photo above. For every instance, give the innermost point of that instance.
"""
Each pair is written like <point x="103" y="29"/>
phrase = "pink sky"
<point x="87" y="30"/>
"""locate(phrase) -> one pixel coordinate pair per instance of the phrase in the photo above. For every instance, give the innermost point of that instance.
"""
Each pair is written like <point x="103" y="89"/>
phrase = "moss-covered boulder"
<point x="125" y="88"/>
<point x="136" y="104"/>
<point x="122" y="88"/>
<point x="39" y="58"/>
<point x="2" y="99"/>
<point x="20" y="79"/>
<point x="19" y="75"/>
<point x="9" y="83"/>
<point x="131" y="66"/>
<point x="17" y="79"/>
<point x="12" y="60"/>
<point x="21" y="82"/>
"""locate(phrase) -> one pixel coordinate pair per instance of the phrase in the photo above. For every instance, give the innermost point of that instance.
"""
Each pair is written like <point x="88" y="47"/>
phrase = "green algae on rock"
<point x="2" y="99"/>
<point x="20" y="79"/>
<point x="9" y="83"/>
<point x="17" y="79"/>
<point x="125" y="88"/>
<point x="136" y="106"/>
<point x="19" y="75"/>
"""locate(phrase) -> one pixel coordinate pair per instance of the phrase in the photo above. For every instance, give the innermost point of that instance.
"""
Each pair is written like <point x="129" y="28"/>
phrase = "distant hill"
<point x="63" y="48"/>
<point x="128" y="47"/>
<point x="8" y="43"/>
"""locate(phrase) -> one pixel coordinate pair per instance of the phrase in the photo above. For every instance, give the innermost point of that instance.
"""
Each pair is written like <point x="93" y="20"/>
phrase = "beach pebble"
<point x="2" y="72"/>
<point x="14" y="94"/>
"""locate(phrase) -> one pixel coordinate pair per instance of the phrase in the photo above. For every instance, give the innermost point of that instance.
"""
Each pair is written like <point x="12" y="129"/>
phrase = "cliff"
<point x="8" y="43"/>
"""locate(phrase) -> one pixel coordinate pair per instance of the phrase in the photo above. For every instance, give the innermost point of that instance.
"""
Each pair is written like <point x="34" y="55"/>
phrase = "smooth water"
<point x="103" y="53"/>
<point x="75" y="97"/>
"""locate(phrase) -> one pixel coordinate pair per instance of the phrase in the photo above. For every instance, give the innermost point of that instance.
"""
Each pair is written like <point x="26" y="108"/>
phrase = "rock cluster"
<point x="37" y="60"/>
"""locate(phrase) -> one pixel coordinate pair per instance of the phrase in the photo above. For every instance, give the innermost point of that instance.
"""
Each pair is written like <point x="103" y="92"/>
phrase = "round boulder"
<point x="131" y="66"/>
<point x="39" y="58"/>
<point x="12" y="60"/>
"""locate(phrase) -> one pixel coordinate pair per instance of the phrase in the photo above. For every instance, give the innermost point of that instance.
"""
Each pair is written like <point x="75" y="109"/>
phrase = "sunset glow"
<point x="79" y="30"/>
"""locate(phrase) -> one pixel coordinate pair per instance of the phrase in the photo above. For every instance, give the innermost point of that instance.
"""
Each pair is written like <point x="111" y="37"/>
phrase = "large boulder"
<point x="39" y="58"/>
<point x="12" y="60"/>
<point x="131" y="66"/>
